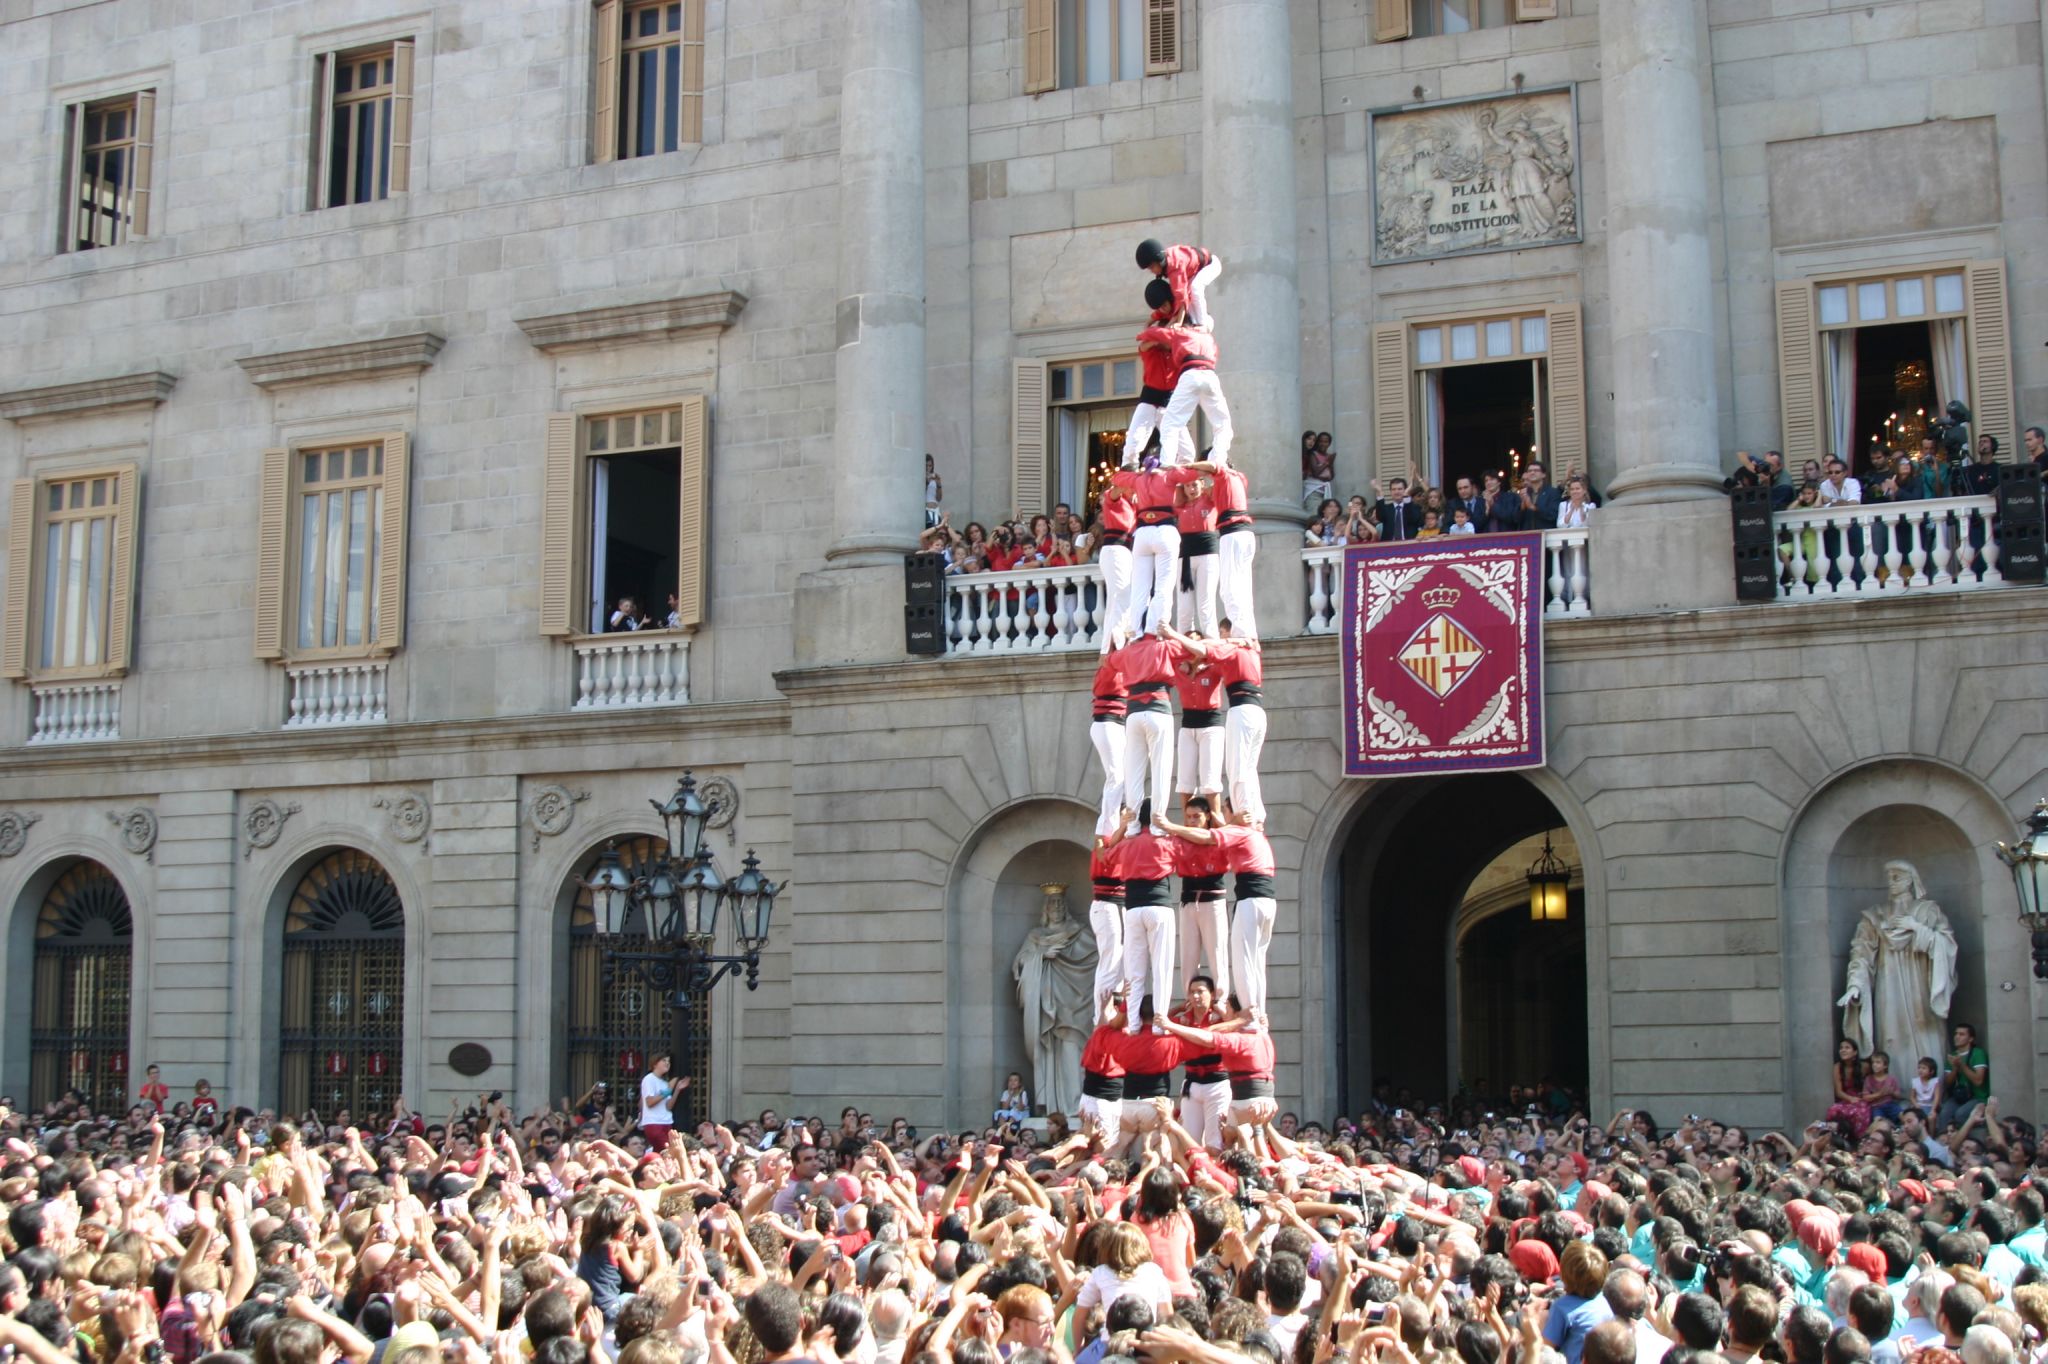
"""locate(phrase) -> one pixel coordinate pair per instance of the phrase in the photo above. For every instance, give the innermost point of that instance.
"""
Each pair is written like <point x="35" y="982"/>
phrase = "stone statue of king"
<point x="1902" y="974"/>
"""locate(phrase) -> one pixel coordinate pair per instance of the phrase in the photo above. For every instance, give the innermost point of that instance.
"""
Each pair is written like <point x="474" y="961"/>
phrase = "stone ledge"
<point x="412" y="352"/>
<point x="149" y="387"/>
<point x="658" y="319"/>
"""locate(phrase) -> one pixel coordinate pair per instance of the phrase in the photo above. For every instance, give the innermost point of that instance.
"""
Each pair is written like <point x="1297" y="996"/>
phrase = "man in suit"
<point x="1537" y="500"/>
<point x="1475" y="506"/>
<point x="1400" y="515"/>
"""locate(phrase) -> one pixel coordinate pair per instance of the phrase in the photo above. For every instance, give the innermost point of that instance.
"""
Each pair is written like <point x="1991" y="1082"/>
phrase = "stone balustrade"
<point x="75" y="712"/>
<point x="1566" y="580"/>
<point x="629" y="671"/>
<point x="325" y="695"/>
<point x="1941" y="545"/>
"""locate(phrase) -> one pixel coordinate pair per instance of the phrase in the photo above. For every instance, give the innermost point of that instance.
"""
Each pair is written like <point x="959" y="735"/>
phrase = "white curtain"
<point x="1841" y="358"/>
<point x="1432" y="427"/>
<point x="1951" y="362"/>
<point x="600" y="531"/>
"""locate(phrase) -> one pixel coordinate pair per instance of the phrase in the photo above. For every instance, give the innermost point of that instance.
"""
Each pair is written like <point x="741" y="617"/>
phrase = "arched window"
<point x="342" y="1014"/>
<point x="78" y="1036"/>
<point x="614" y="1033"/>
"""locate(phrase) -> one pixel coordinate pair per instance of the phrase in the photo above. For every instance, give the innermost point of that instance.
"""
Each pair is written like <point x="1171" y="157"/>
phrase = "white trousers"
<point x="1198" y="293"/>
<point x="1155" y="572"/>
<point x="1198" y="388"/>
<point x="1199" y="771"/>
<point x="1199" y="605"/>
<point x="1116" y="591"/>
<point x="1108" y="922"/>
<point x="1102" y="1119"/>
<point x="1202" y="1110"/>
<point x="1145" y="419"/>
<point x="1148" y="760"/>
<point x="1251" y="933"/>
<point x="1108" y="738"/>
<point x="1234" y="554"/>
<point x="1244" y="737"/>
<point x="1148" y="957"/>
<point x="1204" y="931"/>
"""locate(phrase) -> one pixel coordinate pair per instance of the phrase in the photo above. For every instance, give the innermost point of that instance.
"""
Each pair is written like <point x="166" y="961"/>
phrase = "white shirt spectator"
<point x="1840" y="490"/>
<point x="1148" y="1281"/>
<point x="1574" y="515"/>
<point x="1650" y="1347"/>
<point x="652" y="1086"/>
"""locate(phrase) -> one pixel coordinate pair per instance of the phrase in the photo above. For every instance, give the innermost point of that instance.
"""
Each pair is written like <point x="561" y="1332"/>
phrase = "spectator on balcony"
<point x="1840" y="488"/>
<point x="626" y="616"/>
<point x="1361" y="522"/>
<point x="1576" y="511"/>
<point x="1400" y="516"/>
<point x="1328" y="527"/>
<point x="933" y="491"/>
<point x="1903" y="481"/>
<point x="1433" y="500"/>
<point x="1039" y="542"/>
<point x="1980" y="476"/>
<point x="2036" y="441"/>
<point x="1003" y="551"/>
<point x="1461" y="521"/>
<point x="1468" y="497"/>
<point x="1503" y="511"/>
<point x="674" y="619"/>
<point x="1537" y="500"/>
<point x="1432" y="525"/>
<point x="1318" y="467"/>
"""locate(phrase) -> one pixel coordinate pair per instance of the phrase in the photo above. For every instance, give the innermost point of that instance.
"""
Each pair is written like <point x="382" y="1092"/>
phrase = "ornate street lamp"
<point x="1550" y="881"/>
<point x="2028" y="862"/>
<point x="680" y="894"/>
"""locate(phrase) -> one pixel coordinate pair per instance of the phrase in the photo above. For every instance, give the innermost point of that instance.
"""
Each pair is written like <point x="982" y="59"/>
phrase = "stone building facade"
<point x="351" y="344"/>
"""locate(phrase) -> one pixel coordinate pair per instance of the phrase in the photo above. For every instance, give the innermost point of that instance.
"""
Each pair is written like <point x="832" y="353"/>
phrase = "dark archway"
<point x="341" y="1012"/>
<point x="1407" y="867"/>
<point x="78" y="1039"/>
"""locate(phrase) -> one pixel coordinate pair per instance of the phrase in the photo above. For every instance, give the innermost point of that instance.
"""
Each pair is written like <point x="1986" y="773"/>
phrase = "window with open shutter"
<point x="1799" y="411"/>
<point x="1162" y="37"/>
<point x="558" y="528"/>
<point x="604" y="123"/>
<point x="110" y="160"/>
<point x="1027" y="436"/>
<point x="694" y="517"/>
<point x="401" y="115"/>
<point x="363" y="125"/>
<point x="1041" y="46"/>
<point x="1391" y="20"/>
<point x="145" y="162"/>
<point x="1990" y="343"/>
<point x="389" y="632"/>
<point x="1567" y="448"/>
<point x="273" y="534"/>
<point x="1392" y="444"/>
<point x="126" y="494"/>
<point x="21" y="537"/>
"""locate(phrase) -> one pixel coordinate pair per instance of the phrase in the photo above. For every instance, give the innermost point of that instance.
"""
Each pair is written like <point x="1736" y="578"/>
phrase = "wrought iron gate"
<point x="78" y="1031"/>
<point x="342" y="1010"/>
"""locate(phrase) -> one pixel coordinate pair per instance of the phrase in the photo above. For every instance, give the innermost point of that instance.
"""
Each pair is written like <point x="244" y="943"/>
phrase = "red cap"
<point x="1870" y="1260"/>
<point x="1914" y="1189"/>
<point x="1580" y="1162"/>
<point x="1534" y="1261"/>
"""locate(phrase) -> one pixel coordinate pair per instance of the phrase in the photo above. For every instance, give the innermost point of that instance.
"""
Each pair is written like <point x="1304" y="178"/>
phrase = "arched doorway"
<point x="613" y="1033"/>
<point x="78" y="1037"/>
<point x="1441" y="969"/>
<point x="341" y="1013"/>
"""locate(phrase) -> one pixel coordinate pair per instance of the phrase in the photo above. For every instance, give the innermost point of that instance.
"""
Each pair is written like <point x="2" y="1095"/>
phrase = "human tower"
<point x="1177" y="536"/>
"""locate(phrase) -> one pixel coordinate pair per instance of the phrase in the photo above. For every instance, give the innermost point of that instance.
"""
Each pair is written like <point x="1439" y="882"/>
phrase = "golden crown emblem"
<point x="1441" y="598"/>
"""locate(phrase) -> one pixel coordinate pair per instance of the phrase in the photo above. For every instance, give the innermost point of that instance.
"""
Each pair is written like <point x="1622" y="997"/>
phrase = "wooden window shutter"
<point x="1392" y="444"/>
<point x="121" y="578"/>
<point x="401" y="115"/>
<point x="1990" y="345"/>
<point x="1526" y="10"/>
<point x="272" y="537"/>
<point x="693" y="539"/>
<point x="145" y="162"/>
<point x="1799" y="415"/>
<point x="391" y="542"/>
<point x="1391" y="20"/>
<point x="21" y="539"/>
<point x="1567" y="450"/>
<point x="1162" y="37"/>
<point x="323" y="115"/>
<point x="1027" y="436"/>
<point x="692" y="129"/>
<point x="604" y="120"/>
<point x="558" y="527"/>
<point x="74" y="177"/>
<point x="1041" y="46"/>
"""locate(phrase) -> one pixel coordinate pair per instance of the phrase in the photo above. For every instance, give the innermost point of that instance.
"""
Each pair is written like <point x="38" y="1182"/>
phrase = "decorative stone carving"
<point x="1055" y="975"/>
<point x="409" y="816"/>
<point x="627" y="320"/>
<point x="373" y="359"/>
<point x="262" y="824"/>
<point x="552" y="810"/>
<point x="144" y="389"/>
<point x="14" y="831"/>
<point x="1902" y="973"/>
<point x="138" y="830"/>
<point x="1492" y="174"/>
<point x="721" y="799"/>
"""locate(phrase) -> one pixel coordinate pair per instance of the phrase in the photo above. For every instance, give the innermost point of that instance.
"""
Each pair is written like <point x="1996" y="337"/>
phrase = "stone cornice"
<point x="657" y="319"/>
<point x="147" y="388"/>
<point x="409" y="353"/>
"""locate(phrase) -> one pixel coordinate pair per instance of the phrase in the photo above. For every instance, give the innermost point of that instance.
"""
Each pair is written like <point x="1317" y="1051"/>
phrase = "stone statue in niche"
<point x="1902" y="974"/>
<point x="1055" y="975"/>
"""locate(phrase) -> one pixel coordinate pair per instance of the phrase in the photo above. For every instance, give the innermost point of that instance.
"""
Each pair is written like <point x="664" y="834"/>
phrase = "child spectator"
<point x="1430" y="526"/>
<point x="1014" y="1103"/>
<point x="1927" y="1087"/>
<point x="1461" y="522"/>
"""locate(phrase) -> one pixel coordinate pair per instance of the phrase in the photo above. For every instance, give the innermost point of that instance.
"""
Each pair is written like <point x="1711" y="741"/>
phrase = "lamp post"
<point x="1550" y="883"/>
<point x="680" y="895"/>
<point x="2028" y="862"/>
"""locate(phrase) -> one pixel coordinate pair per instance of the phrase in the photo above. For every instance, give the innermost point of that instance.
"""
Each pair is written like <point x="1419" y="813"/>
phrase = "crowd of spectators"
<point x="1934" y="471"/>
<point x="1508" y="1229"/>
<point x="1409" y="509"/>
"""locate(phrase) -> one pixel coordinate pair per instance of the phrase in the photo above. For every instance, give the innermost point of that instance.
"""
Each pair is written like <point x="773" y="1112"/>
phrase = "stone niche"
<point x="1086" y="276"/>
<point x="1926" y="177"/>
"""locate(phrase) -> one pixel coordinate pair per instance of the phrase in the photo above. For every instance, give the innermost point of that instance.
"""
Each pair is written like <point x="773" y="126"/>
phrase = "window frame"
<point x="1394" y="20"/>
<point x="141" y="107"/>
<point x="397" y="145"/>
<point x="281" y="550"/>
<point x="612" y="121"/>
<point x="1161" y="29"/>
<point x="327" y="490"/>
<point x="24" y="608"/>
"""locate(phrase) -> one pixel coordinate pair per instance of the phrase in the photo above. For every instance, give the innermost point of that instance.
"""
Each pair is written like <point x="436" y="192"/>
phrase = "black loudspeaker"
<point x="2019" y="495"/>
<point x="1756" y="549"/>
<point x="1750" y="509"/>
<point x="921" y="632"/>
<point x="1756" y="573"/>
<point x="923" y="575"/>
<point x="2021" y="552"/>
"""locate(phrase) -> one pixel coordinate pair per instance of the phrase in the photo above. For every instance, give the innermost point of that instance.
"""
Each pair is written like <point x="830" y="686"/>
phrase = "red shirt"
<point x="1148" y="659"/>
<point x="1243" y="669"/>
<point x="1000" y="558"/>
<point x="1232" y="495"/>
<point x="1105" y="877"/>
<point x="1192" y="349"/>
<point x="1200" y="859"/>
<point x="1100" y="1055"/>
<point x="1245" y="849"/>
<point x="1146" y="856"/>
<point x="1200" y="686"/>
<point x="1246" y="1053"/>
<point x="1110" y="693"/>
<point x="1154" y="491"/>
<point x="1120" y="514"/>
<point x="1197" y="512"/>
<point x="1155" y="357"/>
<point x="1183" y="263"/>
<point x="1142" y="1053"/>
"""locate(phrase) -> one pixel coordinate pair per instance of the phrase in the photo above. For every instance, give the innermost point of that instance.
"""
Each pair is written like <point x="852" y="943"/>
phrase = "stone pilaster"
<point x="1248" y="219"/>
<point x="188" y="993"/>
<point x="1667" y="500"/>
<point x="472" y="942"/>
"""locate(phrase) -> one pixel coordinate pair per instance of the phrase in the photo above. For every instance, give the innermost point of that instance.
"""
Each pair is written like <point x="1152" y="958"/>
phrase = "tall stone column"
<point x="1248" y="219"/>
<point x="878" y="431"/>
<point x="1667" y="536"/>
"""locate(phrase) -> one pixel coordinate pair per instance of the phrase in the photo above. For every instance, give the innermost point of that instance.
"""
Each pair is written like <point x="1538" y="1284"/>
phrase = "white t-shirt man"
<point x="656" y="1087"/>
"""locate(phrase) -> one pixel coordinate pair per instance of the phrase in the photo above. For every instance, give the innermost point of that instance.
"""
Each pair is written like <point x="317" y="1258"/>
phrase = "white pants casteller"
<point x="1109" y="741"/>
<point x="1249" y="1113"/>
<point x="1199" y="388"/>
<point x="1202" y="1109"/>
<point x="1102" y="1119"/>
<point x="1116" y="591"/>
<point x="1145" y="419"/>
<point x="1148" y="761"/>
<point x="1244" y="738"/>
<point x="1140" y="1118"/>
<point x="1251" y="933"/>
<point x="1234" y="554"/>
<point x="1199" y="605"/>
<point x="1204" y="933"/>
<point x="1107" y="920"/>
<point x="1148" y="957"/>
<point x="1198" y="293"/>
<point x="1155" y="572"/>
<point x="1200" y="767"/>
